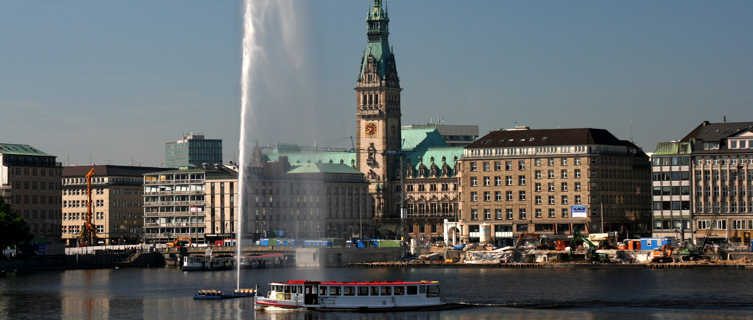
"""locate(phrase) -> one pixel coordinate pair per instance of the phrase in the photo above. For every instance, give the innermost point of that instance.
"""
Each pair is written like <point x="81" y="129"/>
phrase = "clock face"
<point x="371" y="129"/>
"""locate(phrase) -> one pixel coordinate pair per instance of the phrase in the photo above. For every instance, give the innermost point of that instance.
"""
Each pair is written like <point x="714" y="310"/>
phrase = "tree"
<point x="13" y="228"/>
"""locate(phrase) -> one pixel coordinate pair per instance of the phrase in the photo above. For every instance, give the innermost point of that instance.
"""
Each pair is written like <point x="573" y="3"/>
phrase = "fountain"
<point x="281" y="15"/>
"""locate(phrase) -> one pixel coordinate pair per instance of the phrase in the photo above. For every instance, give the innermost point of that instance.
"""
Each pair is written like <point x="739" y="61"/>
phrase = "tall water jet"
<point x="282" y="24"/>
<point x="249" y="51"/>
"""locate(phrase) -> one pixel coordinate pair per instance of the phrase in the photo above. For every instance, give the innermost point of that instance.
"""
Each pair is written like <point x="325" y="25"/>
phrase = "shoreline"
<point x="650" y="266"/>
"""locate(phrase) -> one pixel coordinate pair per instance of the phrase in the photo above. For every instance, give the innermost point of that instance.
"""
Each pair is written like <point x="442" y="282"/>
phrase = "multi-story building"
<point x="671" y="190"/>
<point x="174" y="204"/>
<point x="722" y="180"/>
<point x="553" y="181"/>
<point x="117" y="202"/>
<point x="309" y="201"/>
<point x="431" y="183"/>
<point x="453" y="135"/>
<point x="193" y="151"/>
<point x="221" y="197"/>
<point x="30" y="184"/>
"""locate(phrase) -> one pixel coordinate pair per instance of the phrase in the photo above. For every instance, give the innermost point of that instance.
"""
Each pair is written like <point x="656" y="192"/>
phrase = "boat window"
<point x="386" y="291"/>
<point x="363" y="290"/>
<point x="433" y="291"/>
<point x="287" y="289"/>
<point x="334" y="291"/>
<point x="349" y="291"/>
<point x="421" y="289"/>
<point x="299" y="289"/>
<point x="308" y="290"/>
<point x="374" y="290"/>
<point x="399" y="290"/>
<point x="322" y="291"/>
<point x="412" y="290"/>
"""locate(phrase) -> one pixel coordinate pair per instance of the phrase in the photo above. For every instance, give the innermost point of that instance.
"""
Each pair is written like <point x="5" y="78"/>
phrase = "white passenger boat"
<point x="352" y="296"/>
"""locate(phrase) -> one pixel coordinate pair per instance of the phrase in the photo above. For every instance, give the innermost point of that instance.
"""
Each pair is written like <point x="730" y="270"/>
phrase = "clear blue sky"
<point x="111" y="81"/>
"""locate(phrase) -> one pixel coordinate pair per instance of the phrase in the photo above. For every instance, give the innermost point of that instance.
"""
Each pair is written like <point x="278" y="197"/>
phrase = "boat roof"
<point x="356" y="283"/>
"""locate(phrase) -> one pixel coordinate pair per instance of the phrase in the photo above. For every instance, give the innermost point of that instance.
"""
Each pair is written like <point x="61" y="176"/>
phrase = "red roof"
<point x="354" y="283"/>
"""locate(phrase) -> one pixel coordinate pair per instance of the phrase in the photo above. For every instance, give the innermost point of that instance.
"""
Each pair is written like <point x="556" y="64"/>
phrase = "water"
<point x="511" y="294"/>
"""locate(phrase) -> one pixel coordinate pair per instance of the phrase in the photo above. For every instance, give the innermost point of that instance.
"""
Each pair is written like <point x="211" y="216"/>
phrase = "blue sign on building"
<point x="579" y="211"/>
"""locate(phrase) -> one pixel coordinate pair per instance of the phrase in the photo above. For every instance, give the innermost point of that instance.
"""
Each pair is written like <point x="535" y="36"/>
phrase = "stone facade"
<point x="378" y="142"/>
<point x="30" y="185"/>
<point x="557" y="181"/>
<point x="722" y="181"/>
<point x="117" y="208"/>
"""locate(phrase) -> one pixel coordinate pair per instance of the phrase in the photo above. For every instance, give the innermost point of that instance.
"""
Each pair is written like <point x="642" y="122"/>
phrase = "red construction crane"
<point x="88" y="234"/>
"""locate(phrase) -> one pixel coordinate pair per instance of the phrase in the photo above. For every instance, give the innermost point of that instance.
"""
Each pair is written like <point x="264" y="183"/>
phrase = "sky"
<point x="110" y="82"/>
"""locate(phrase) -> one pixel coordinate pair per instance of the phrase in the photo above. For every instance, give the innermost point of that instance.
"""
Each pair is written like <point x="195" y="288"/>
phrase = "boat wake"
<point x="589" y="304"/>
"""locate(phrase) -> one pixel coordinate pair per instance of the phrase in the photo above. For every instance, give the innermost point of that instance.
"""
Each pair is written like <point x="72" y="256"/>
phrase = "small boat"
<point x="207" y="263"/>
<point x="208" y="295"/>
<point x="219" y="295"/>
<point x="352" y="296"/>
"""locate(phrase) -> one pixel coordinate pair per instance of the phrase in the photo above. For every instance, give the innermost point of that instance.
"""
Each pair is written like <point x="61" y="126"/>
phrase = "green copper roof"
<point x="670" y="148"/>
<point x="416" y="138"/>
<point x="439" y="155"/>
<point x="378" y="45"/>
<point x="324" y="168"/>
<point x="20" y="149"/>
<point x="297" y="158"/>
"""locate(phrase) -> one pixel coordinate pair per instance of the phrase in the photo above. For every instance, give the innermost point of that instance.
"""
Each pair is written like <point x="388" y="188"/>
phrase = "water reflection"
<point x="546" y="294"/>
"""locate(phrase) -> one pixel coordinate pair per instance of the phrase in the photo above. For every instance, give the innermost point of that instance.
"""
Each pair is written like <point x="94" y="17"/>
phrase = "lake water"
<point x="499" y="293"/>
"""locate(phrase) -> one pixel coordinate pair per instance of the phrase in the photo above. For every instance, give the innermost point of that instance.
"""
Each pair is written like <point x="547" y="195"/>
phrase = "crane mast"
<point x="88" y="234"/>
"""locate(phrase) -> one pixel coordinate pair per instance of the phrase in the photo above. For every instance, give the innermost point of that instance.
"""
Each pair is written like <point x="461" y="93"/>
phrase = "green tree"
<point x="13" y="228"/>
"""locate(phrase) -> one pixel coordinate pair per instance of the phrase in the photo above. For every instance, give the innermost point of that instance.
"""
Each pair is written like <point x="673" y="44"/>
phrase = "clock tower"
<point x="378" y="117"/>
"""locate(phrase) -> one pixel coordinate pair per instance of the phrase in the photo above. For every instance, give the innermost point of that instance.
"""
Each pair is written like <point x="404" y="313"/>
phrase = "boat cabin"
<point x="344" y="295"/>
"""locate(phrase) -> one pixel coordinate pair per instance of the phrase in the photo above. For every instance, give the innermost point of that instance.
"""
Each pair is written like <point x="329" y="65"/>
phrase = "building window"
<point x="537" y="162"/>
<point x="577" y="199"/>
<point x="550" y="162"/>
<point x="550" y="174"/>
<point x="564" y="161"/>
<point x="563" y="174"/>
<point x="577" y="186"/>
<point x="538" y="187"/>
<point x="497" y="166"/>
<point x="703" y="225"/>
<point x="551" y="187"/>
<point x="721" y="225"/>
<point x="473" y="166"/>
<point x="522" y="214"/>
<point x="538" y="174"/>
<point x="538" y="213"/>
<point x="508" y="213"/>
<point x="577" y="173"/>
<point x="521" y="180"/>
<point x="508" y="165"/>
<point x="551" y="212"/>
<point x="487" y="196"/>
<point x="522" y="195"/>
<point x="497" y="195"/>
<point x="474" y="214"/>
<point x="564" y="199"/>
<point x="551" y="200"/>
<point x="474" y="196"/>
<point x="486" y="166"/>
<point x="487" y="214"/>
<point x="497" y="181"/>
<point x="538" y="200"/>
<point x="508" y="195"/>
<point x="563" y="187"/>
<point x="565" y="214"/>
<point x="521" y="165"/>
<point x="474" y="181"/>
<point x="577" y="161"/>
<point x="498" y="214"/>
<point x="487" y="181"/>
<point x="508" y="180"/>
